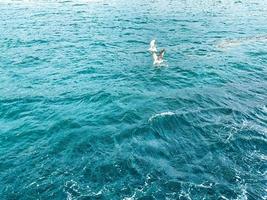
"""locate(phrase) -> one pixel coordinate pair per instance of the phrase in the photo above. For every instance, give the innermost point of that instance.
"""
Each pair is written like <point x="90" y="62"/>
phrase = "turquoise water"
<point x="84" y="114"/>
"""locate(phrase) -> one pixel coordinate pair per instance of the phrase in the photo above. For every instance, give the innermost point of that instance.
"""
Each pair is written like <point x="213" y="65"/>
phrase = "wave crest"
<point x="168" y="113"/>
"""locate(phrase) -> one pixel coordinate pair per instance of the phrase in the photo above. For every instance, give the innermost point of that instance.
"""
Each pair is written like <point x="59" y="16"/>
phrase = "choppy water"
<point x="85" y="115"/>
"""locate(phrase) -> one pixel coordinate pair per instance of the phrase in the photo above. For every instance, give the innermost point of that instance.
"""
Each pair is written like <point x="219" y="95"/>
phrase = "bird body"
<point x="158" y="59"/>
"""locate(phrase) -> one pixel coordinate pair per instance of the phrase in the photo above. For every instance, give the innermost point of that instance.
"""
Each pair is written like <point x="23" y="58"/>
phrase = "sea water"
<point x="84" y="114"/>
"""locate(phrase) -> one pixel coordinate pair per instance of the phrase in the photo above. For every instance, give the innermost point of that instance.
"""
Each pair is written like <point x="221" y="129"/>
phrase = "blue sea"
<point x="84" y="113"/>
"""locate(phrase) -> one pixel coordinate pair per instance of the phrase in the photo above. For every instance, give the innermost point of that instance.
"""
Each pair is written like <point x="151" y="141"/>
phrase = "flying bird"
<point x="158" y="58"/>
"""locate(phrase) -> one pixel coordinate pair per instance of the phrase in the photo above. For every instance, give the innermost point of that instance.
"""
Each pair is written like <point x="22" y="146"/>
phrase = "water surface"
<point x="85" y="115"/>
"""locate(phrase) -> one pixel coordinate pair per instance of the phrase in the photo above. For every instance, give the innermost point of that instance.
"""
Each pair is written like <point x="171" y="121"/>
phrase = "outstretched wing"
<point x="153" y="46"/>
<point x="153" y="43"/>
<point x="161" y="54"/>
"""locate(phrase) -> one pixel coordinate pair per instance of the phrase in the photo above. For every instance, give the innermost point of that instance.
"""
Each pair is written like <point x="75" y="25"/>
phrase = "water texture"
<point x="84" y="114"/>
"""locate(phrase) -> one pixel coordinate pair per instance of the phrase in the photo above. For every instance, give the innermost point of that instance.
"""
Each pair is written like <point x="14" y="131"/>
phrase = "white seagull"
<point x="158" y="59"/>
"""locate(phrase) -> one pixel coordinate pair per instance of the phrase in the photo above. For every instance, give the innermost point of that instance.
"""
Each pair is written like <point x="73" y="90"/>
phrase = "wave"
<point x="240" y="41"/>
<point x="163" y="114"/>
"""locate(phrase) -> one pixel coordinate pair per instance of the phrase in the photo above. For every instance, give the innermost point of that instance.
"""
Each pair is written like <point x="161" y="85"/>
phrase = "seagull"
<point x="158" y="59"/>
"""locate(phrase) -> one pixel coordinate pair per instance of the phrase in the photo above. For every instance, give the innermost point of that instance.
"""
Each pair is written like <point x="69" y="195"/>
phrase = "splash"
<point x="163" y="64"/>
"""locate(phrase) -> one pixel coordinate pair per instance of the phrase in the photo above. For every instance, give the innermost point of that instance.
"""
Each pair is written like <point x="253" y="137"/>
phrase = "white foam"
<point x="243" y="195"/>
<point x="240" y="41"/>
<point x="168" y="113"/>
<point x="264" y="109"/>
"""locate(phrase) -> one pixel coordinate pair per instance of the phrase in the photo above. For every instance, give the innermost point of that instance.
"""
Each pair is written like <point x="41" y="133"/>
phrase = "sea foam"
<point x="168" y="113"/>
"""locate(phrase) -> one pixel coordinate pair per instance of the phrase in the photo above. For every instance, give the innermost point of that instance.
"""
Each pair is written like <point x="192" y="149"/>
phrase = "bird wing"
<point x="161" y="54"/>
<point x="153" y="43"/>
<point x="153" y="46"/>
